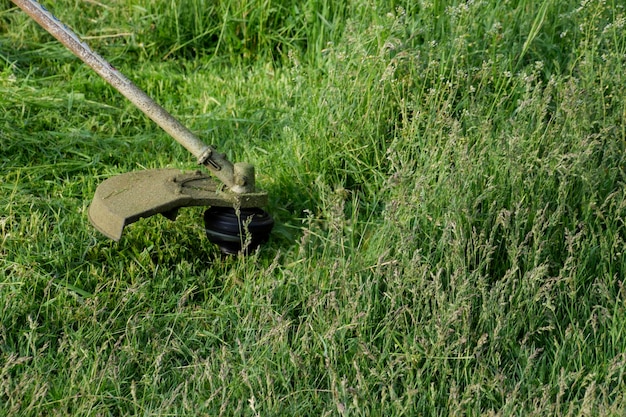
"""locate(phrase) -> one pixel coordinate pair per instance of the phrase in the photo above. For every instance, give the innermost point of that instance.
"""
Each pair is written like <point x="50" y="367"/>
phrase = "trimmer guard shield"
<point x="126" y="198"/>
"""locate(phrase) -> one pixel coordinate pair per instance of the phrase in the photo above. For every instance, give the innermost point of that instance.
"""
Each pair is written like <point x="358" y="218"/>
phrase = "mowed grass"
<point x="447" y="180"/>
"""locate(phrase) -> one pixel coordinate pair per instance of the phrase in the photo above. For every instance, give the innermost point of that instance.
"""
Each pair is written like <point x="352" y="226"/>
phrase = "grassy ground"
<point x="447" y="180"/>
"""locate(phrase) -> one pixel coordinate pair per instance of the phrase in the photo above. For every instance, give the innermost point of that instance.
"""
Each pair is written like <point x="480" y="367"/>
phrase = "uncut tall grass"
<point x="447" y="180"/>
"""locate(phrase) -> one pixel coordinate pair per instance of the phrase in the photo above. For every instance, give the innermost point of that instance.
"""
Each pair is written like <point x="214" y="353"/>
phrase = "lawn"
<point x="447" y="180"/>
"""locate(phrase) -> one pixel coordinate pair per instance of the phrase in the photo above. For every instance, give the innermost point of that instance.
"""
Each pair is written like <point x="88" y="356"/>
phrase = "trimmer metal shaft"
<point x="216" y="162"/>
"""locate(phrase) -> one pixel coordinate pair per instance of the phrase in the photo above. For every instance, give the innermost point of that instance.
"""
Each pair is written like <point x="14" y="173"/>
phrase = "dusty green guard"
<point x="126" y="198"/>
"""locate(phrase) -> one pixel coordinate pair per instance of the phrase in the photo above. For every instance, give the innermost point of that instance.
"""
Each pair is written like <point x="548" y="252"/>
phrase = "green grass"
<point x="447" y="180"/>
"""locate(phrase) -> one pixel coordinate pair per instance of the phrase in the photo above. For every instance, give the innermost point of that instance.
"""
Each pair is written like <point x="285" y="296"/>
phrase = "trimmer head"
<point x="240" y="230"/>
<point x="126" y="198"/>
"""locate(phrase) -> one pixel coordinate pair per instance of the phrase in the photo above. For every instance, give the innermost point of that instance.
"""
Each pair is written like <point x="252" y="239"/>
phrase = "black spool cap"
<point x="231" y="232"/>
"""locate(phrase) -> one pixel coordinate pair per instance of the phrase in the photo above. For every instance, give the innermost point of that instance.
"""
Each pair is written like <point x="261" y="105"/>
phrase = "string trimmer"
<point x="234" y="219"/>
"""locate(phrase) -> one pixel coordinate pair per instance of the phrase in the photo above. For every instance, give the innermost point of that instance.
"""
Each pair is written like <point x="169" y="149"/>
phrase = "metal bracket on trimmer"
<point x="126" y="198"/>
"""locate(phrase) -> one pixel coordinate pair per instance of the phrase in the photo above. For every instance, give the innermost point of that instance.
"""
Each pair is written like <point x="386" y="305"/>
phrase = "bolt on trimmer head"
<point x="234" y="220"/>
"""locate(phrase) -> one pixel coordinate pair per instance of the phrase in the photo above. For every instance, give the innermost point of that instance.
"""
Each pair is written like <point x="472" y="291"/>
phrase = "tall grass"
<point x="447" y="180"/>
